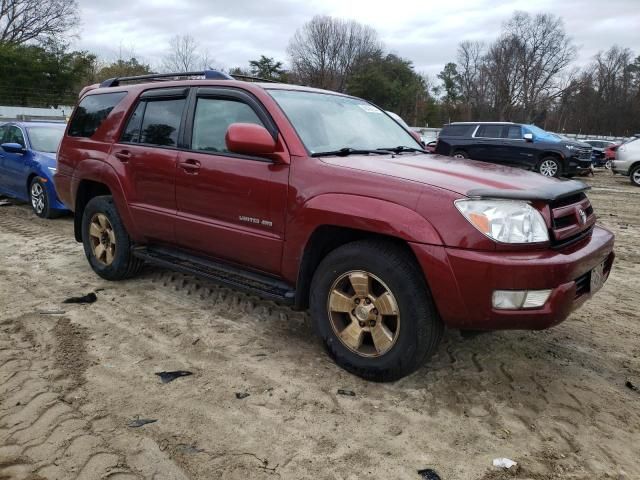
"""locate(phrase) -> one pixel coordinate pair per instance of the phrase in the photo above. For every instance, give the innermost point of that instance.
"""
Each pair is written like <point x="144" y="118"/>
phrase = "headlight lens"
<point x="505" y="221"/>
<point x="571" y="147"/>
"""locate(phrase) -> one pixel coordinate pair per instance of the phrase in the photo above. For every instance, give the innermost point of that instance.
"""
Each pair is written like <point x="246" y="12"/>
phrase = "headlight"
<point x="505" y="221"/>
<point x="571" y="147"/>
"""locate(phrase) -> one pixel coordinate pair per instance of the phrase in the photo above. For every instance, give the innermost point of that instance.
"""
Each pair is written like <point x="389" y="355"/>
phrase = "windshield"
<point x="328" y="122"/>
<point x="541" y="134"/>
<point x="46" y="139"/>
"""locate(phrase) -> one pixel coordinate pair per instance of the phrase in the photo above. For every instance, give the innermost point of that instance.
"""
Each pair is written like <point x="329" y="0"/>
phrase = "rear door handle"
<point x="190" y="166"/>
<point x="123" y="155"/>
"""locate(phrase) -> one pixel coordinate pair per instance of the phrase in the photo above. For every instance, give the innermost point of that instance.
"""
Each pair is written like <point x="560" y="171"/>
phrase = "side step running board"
<point x="235" y="277"/>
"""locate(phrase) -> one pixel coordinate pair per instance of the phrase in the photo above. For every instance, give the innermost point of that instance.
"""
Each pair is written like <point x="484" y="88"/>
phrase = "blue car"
<point x="28" y="162"/>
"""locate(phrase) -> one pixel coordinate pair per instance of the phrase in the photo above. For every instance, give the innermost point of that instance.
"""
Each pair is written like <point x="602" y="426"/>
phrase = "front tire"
<point x="371" y="306"/>
<point x="460" y="154"/>
<point x="39" y="199"/>
<point x="550" y="167"/>
<point x="107" y="245"/>
<point x="634" y="175"/>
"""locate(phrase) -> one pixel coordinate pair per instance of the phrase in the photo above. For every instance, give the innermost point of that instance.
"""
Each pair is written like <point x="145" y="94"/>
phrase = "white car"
<point x="627" y="160"/>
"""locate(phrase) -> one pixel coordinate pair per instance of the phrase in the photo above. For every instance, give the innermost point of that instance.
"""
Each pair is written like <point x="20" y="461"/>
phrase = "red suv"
<point x="323" y="201"/>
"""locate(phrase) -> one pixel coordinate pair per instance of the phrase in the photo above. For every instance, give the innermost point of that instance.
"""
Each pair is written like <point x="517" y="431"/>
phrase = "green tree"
<point x="43" y="76"/>
<point x="266" y="67"/>
<point x="390" y="82"/>
<point x="123" y="68"/>
<point x="451" y="82"/>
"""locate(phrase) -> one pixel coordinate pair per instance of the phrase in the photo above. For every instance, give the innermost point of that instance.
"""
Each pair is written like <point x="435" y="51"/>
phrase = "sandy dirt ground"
<point x="73" y="377"/>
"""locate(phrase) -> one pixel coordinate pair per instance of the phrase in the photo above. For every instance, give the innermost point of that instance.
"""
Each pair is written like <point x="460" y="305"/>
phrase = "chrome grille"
<point x="584" y="153"/>
<point x="572" y="217"/>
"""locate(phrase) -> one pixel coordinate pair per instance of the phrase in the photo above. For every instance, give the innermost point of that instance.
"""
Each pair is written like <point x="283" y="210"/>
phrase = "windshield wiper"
<point x="343" y="152"/>
<point x="402" y="148"/>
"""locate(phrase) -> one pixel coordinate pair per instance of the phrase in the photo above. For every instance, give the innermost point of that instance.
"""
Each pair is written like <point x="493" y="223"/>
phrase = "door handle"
<point x="190" y="166"/>
<point x="123" y="155"/>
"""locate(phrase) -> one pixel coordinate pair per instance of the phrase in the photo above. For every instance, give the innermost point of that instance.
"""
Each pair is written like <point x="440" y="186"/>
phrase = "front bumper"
<point x="462" y="281"/>
<point x="576" y="165"/>
<point x="56" y="203"/>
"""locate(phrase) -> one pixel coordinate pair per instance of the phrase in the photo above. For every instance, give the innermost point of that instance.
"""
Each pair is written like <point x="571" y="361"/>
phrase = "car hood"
<point x="465" y="177"/>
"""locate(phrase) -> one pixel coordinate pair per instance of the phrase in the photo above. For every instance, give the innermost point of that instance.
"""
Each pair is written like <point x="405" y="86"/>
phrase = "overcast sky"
<point x="424" y="31"/>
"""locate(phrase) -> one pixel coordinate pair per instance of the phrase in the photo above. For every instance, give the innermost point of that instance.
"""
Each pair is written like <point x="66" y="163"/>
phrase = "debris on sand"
<point x="631" y="386"/>
<point x="88" y="298"/>
<point x="139" y="422"/>
<point x="428" y="474"/>
<point x="167" y="377"/>
<point x="505" y="463"/>
<point x="190" y="449"/>
<point x="347" y="393"/>
<point x="52" y="312"/>
<point x="241" y="395"/>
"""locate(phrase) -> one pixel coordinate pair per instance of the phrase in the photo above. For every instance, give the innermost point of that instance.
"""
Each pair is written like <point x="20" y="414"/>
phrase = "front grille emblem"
<point x="582" y="216"/>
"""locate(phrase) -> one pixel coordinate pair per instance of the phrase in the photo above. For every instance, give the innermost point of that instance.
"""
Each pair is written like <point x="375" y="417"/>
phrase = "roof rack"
<point x="207" y="74"/>
<point x="249" y="78"/>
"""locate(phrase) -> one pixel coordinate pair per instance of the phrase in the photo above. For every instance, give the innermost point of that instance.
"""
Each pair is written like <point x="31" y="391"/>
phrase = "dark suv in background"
<point x="516" y="145"/>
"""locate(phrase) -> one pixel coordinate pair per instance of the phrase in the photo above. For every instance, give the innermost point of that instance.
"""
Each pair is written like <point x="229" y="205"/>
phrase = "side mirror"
<point x="249" y="139"/>
<point x="13" y="148"/>
<point x="528" y="137"/>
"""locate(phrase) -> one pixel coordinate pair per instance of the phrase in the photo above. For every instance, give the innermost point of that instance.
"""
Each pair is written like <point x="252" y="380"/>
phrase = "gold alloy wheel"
<point x="102" y="238"/>
<point x="363" y="313"/>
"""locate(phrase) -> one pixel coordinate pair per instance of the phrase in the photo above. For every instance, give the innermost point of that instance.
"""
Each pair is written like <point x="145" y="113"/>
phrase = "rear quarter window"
<point x="457" y="130"/>
<point x="91" y="112"/>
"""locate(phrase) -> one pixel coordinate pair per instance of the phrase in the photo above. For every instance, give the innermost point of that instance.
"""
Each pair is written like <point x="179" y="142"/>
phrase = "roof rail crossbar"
<point x="207" y="74"/>
<point x="251" y="78"/>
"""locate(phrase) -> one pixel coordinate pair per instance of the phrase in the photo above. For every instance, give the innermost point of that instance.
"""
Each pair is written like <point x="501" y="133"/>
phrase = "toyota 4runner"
<point x="323" y="201"/>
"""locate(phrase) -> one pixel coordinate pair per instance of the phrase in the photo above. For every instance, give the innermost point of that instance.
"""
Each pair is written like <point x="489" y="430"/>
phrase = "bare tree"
<point x="505" y="83"/>
<point x="472" y="91"/>
<point x="23" y="21"/>
<point x="324" y="52"/>
<point x="543" y="51"/>
<point x="183" y="55"/>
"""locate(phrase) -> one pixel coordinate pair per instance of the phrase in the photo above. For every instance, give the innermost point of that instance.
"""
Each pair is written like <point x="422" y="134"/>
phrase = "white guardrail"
<point x="26" y="113"/>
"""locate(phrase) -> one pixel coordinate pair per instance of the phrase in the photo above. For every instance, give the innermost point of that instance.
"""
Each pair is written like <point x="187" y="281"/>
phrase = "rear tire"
<point x="107" y="245"/>
<point x="634" y="175"/>
<point x="460" y="154"/>
<point x="402" y="328"/>
<point x="550" y="167"/>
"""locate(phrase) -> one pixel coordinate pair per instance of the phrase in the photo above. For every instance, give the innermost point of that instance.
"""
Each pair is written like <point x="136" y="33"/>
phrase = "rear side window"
<point x="155" y="122"/>
<point x="91" y="112"/>
<point x="132" y="132"/>
<point x="457" y="130"/>
<point x="489" y="131"/>
<point x="212" y="119"/>
<point x="161" y="122"/>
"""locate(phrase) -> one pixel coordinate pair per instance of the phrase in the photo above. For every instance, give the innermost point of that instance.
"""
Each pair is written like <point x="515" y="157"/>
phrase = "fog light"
<point x="519" y="299"/>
